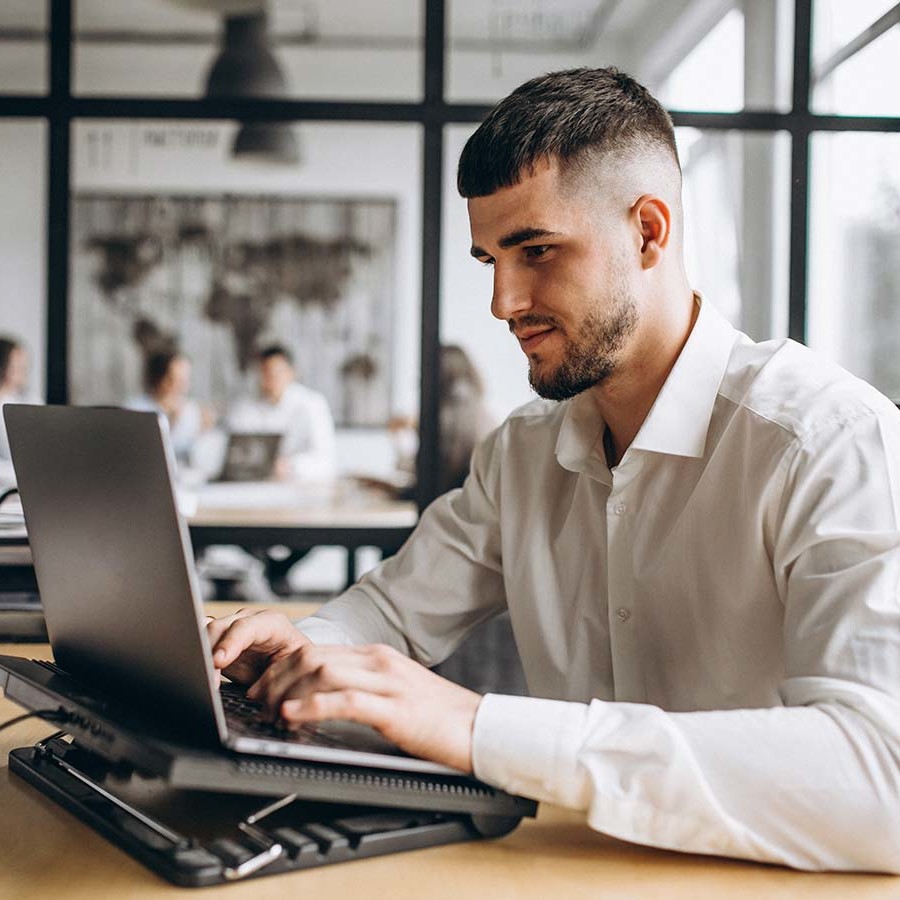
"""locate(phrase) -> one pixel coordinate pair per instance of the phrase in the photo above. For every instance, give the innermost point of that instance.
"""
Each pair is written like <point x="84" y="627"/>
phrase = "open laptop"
<point x="116" y="575"/>
<point x="250" y="456"/>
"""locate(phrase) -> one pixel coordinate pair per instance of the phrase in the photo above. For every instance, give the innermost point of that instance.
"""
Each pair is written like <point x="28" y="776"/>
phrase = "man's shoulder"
<point x="797" y="389"/>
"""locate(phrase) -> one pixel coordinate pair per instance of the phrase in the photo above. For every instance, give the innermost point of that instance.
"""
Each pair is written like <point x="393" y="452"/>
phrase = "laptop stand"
<point x="198" y="838"/>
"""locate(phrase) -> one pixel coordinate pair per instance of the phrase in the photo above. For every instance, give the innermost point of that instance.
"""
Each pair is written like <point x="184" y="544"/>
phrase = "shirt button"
<point x="619" y="508"/>
<point x="623" y="614"/>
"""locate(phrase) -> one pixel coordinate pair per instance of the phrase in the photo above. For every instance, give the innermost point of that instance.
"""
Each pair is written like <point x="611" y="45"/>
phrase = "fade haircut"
<point x="569" y="116"/>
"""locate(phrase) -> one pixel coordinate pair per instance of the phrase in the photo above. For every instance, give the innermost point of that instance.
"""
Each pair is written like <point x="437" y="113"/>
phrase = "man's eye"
<point x="536" y="251"/>
<point x="487" y="260"/>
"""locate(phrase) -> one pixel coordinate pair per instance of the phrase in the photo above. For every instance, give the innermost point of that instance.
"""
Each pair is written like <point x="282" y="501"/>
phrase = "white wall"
<point x="23" y="239"/>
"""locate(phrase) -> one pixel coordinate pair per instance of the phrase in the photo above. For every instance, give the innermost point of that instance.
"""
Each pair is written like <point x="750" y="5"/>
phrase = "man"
<point x="13" y="389"/>
<point x="300" y="414"/>
<point x="167" y="384"/>
<point x="698" y="541"/>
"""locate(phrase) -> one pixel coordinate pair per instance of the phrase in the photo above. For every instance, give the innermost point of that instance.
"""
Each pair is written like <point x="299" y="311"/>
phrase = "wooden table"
<point x="47" y="853"/>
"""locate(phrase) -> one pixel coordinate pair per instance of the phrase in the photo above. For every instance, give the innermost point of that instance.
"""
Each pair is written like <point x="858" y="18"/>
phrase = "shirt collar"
<point x="678" y="421"/>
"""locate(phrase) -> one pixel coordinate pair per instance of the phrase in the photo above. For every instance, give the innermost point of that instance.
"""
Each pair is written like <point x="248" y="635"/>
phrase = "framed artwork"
<point x="220" y="276"/>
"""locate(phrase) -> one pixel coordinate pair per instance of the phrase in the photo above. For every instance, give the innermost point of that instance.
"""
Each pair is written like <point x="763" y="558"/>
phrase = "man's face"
<point x="275" y="374"/>
<point x="561" y="279"/>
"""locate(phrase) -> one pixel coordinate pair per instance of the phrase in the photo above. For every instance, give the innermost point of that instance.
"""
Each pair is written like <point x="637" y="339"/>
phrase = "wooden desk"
<point x="47" y="853"/>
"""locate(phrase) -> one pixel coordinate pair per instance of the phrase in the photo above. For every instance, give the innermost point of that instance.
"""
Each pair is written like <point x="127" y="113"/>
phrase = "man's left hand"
<point x="422" y="713"/>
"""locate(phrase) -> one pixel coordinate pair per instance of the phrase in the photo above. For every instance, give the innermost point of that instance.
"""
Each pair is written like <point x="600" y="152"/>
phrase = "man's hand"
<point x="422" y="713"/>
<point x="245" y="643"/>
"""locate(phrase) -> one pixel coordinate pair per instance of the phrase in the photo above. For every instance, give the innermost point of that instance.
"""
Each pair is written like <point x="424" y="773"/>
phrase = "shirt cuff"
<point x="323" y="631"/>
<point x="529" y="746"/>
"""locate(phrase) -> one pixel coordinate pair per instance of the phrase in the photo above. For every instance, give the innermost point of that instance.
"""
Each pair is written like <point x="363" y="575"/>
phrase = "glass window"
<point x="297" y="48"/>
<point x="863" y="82"/>
<point x="737" y="216"/>
<point x="466" y="319"/>
<point x="854" y="262"/>
<point x="23" y="240"/>
<point x="672" y="48"/>
<point x="173" y="240"/>
<point x="23" y="47"/>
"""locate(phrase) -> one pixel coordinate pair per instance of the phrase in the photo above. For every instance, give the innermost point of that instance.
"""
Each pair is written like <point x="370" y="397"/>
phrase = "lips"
<point x="532" y="339"/>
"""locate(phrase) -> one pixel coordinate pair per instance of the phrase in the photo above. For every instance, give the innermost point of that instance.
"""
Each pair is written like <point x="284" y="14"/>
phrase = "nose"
<point x="512" y="293"/>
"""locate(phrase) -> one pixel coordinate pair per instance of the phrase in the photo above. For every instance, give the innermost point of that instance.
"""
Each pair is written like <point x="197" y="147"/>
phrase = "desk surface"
<point x="45" y="852"/>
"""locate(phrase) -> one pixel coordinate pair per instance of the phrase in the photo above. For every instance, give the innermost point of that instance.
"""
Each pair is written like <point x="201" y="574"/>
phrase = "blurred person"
<point x="167" y="384"/>
<point x="464" y="421"/>
<point x="298" y="413"/>
<point x="307" y="452"/>
<point x="13" y="389"/>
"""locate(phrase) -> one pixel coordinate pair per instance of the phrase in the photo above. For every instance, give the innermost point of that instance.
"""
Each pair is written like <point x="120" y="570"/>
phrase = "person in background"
<point x="301" y="415"/>
<point x="464" y="421"/>
<point x="307" y="452"/>
<point x="167" y="384"/>
<point x="13" y="389"/>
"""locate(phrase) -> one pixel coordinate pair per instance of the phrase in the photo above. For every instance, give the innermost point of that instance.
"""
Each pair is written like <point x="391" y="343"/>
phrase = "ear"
<point x="652" y="219"/>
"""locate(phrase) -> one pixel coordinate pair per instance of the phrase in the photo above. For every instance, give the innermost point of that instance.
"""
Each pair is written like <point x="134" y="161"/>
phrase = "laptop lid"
<point x="250" y="456"/>
<point x="113" y="559"/>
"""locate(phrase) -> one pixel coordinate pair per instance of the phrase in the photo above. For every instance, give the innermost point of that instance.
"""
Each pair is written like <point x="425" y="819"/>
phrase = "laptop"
<point x="115" y="569"/>
<point x="250" y="456"/>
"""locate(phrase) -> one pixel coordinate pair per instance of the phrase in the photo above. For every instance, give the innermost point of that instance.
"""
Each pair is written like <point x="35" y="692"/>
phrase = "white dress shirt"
<point x="304" y="418"/>
<point x="710" y="631"/>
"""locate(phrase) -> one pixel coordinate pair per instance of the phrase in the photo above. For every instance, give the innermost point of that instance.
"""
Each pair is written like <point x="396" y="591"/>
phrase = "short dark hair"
<point x="7" y="345"/>
<point x="560" y="116"/>
<point x="271" y="350"/>
<point x="156" y="367"/>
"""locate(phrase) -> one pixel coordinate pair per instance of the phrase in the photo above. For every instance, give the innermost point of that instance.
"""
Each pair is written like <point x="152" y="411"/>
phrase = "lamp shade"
<point x="273" y="142"/>
<point x="246" y="67"/>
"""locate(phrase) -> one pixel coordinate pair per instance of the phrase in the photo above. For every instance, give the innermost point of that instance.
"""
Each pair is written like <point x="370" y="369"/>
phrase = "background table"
<point x="264" y="515"/>
<point x="46" y="852"/>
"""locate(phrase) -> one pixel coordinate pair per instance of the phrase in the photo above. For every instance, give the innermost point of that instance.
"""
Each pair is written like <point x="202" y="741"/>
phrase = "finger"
<point x="215" y="628"/>
<point x="350" y="704"/>
<point x="301" y="663"/>
<point x="265" y="632"/>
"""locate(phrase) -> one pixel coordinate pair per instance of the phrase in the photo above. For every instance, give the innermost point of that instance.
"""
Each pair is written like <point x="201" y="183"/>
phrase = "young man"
<point x="696" y="536"/>
<point x="300" y="414"/>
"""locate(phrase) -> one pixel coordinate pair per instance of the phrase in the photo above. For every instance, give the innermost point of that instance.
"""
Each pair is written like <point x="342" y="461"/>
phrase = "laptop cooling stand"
<point x="197" y="838"/>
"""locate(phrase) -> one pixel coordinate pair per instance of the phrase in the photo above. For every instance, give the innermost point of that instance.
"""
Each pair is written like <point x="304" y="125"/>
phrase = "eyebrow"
<point x="515" y="238"/>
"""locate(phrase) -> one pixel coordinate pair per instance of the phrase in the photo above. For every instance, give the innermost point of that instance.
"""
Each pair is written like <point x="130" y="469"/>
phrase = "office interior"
<point x="313" y="198"/>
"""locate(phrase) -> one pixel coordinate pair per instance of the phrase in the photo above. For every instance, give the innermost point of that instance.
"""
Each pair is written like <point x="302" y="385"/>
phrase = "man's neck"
<point x="626" y="397"/>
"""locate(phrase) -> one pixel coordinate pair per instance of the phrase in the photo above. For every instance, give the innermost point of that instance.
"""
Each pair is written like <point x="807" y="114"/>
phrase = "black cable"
<point x="9" y="492"/>
<point x="48" y="715"/>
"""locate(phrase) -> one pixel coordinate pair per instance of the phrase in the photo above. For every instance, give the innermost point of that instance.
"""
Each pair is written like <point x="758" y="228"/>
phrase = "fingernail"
<point x="291" y="706"/>
<point x="220" y="652"/>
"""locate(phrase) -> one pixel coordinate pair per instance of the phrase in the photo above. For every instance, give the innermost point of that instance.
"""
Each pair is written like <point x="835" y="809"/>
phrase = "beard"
<point x="590" y="357"/>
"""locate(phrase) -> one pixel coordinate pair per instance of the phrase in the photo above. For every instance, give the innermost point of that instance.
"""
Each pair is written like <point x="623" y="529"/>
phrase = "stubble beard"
<point x="591" y="356"/>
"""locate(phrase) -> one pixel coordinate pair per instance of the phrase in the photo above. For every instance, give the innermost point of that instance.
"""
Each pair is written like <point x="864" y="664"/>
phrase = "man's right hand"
<point x="246" y="643"/>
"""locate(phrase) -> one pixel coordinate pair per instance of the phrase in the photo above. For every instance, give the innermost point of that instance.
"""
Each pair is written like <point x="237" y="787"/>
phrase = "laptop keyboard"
<point x="244" y="716"/>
